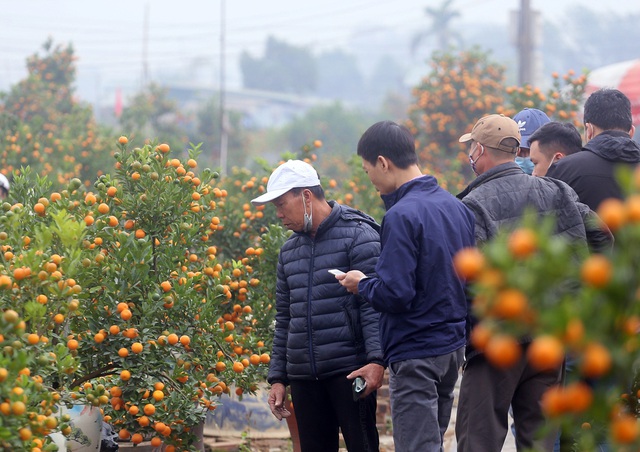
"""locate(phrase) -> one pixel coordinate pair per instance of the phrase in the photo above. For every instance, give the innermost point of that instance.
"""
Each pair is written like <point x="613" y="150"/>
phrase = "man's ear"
<point x="588" y="131"/>
<point x="383" y="162"/>
<point x="632" y="131"/>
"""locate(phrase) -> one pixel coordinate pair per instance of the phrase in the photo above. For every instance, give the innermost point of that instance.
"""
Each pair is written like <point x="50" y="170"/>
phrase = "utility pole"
<point x="223" y="112"/>
<point x="525" y="44"/>
<point x="145" y="48"/>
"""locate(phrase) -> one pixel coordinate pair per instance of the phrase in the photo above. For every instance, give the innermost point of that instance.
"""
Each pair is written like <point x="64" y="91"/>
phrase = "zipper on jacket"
<point x="312" y="361"/>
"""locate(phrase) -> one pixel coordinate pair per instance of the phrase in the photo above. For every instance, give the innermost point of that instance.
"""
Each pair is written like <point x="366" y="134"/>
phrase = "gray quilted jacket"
<point x="499" y="197"/>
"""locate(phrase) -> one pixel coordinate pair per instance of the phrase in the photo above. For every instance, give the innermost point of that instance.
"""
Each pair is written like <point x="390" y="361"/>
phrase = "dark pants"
<point x="324" y="406"/>
<point x="485" y="395"/>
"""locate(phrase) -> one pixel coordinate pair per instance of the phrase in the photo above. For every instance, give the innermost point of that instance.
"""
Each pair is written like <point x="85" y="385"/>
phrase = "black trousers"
<point x="324" y="406"/>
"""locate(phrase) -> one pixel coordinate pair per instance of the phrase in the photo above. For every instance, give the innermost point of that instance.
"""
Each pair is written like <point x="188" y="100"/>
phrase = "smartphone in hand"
<point x="336" y="272"/>
<point x="357" y="388"/>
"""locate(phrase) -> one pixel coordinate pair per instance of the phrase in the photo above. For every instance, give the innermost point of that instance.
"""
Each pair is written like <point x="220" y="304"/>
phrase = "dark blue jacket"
<point x="321" y="330"/>
<point x="421" y="300"/>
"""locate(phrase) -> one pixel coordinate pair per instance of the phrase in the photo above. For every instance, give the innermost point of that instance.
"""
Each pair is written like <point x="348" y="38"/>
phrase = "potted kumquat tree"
<point x="125" y="286"/>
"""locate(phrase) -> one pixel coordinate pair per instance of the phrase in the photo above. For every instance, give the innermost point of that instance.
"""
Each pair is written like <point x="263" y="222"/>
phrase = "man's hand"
<point x="372" y="373"/>
<point x="276" y="399"/>
<point x="350" y="280"/>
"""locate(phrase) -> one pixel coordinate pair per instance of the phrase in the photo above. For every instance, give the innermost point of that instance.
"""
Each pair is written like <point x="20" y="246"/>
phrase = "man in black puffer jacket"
<point x="322" y="332"/>
<point x="609" y="130"/>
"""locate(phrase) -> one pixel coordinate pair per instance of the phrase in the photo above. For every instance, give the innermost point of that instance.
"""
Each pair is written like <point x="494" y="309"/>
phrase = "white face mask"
<point x="473" y="162"/>
<point x="308" y="217"/>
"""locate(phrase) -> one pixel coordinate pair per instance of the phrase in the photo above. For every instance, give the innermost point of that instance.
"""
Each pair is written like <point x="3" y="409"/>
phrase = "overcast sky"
<point x="109" y="36"/>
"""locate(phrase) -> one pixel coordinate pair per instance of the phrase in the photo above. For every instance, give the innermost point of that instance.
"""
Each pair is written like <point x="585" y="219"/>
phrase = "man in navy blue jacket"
<point x="421" y="301"/>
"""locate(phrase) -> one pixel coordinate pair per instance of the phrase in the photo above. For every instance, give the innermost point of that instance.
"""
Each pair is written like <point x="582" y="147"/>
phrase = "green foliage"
<point x="358" y="192"/>
<point x="207" y="132"/>
<point x="29" y="403"/>
<point x="42" y="125"/>
<point x="151" y="113"/>
<point x="126" y="287"/>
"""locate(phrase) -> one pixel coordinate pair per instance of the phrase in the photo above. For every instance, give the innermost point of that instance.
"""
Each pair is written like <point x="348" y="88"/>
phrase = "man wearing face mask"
<point x="322" y="332"/>
<point x="552" y="142"/>
<point x="529" y="120"/>
<point x="609" y="131"/>
<point x="499" y="197"/>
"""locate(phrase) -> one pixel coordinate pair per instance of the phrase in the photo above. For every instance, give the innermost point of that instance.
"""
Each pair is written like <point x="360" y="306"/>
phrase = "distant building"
<point x="260" y="109"/>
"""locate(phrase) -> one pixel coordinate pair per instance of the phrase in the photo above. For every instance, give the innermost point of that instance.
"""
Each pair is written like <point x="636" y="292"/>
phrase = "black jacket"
<point x="592" y="172"/>
<point x="321" y="329"/>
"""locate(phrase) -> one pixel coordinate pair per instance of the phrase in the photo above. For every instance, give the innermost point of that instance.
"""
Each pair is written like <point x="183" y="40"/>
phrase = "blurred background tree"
<point x="459" y="90"/>
<point x="284" y="68"/>
<point x="45" y="126"/>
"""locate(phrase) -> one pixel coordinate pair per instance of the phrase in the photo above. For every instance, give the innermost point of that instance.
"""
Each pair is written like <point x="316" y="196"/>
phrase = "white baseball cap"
<point x="292" y="174"/>
<point x="4" y="182"/>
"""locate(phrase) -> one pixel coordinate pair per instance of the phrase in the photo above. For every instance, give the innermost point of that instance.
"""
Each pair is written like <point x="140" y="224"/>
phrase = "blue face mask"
<point x="525" y="164"/>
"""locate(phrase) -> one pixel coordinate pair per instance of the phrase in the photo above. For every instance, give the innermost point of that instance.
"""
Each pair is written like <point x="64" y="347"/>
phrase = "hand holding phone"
<point x="358" y="387"/>
<point x="336" y="272"/>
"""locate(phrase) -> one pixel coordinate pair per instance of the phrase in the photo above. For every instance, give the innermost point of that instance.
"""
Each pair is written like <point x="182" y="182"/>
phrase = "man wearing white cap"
<point x="323" y="333"/>
<point x="4" y="186"/>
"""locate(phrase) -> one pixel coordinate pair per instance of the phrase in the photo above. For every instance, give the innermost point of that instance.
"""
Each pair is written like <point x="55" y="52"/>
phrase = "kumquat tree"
<point x="462" y="88"/>
<point x="560" y="102"/>
<point x="124" y="285"/>
<point x="457" y="92"/>
<point x="45" y="127"/>
<point x="574" y="305"/>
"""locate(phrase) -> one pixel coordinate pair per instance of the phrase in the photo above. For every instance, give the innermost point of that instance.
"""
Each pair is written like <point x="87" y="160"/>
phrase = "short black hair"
<point x="317" y="191"/>
<point x="557" y="135"/>
<point x="390" y="140"/>
<point x="608" y="109"/>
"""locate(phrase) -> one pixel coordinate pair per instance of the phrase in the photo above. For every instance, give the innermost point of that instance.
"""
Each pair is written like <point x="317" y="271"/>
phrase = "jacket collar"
<point x="615" y="145"/>
<point x="422" y="183"/>
<point x="505" y="169"/>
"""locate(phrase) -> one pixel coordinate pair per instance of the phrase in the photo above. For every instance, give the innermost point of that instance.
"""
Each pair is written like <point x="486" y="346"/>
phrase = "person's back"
<point x="609" y="131"/>
<point x="422" y="303"/>
<point x="432" y="219"/>
<point x="500" y="196"/>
